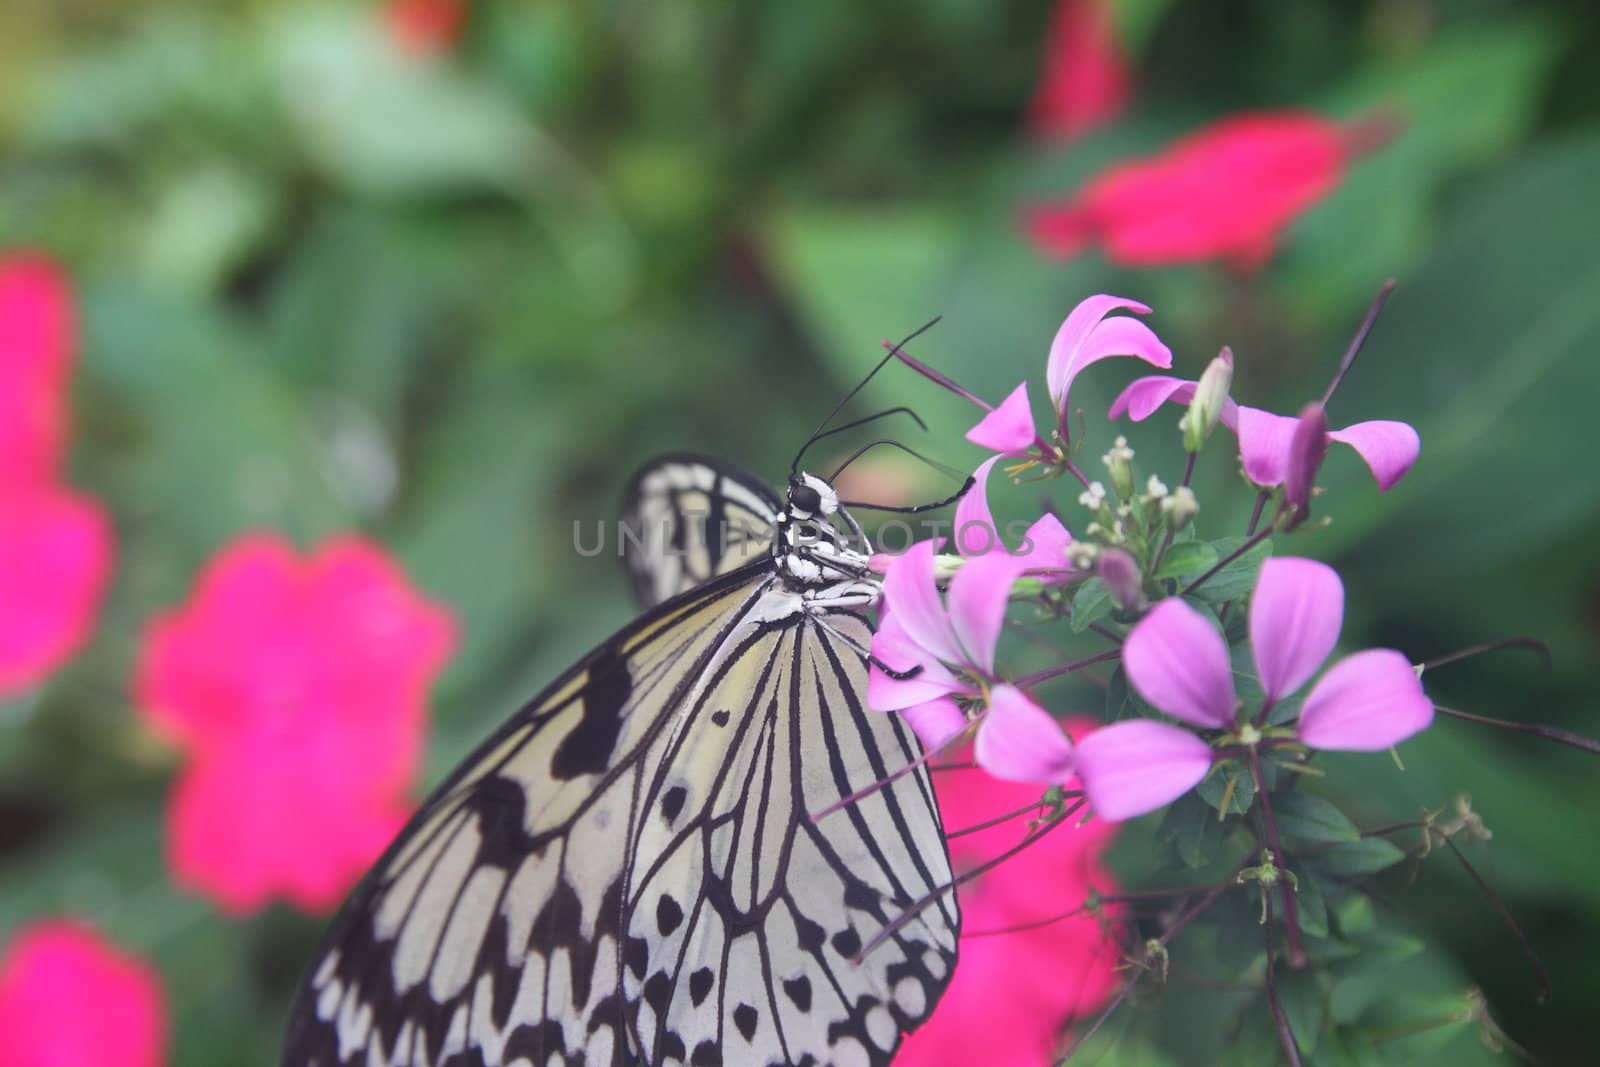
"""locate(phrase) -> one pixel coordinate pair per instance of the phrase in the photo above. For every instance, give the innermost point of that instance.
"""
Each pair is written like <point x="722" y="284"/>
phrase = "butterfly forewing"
<point x="628" y="871"/>
<point x="687" y="519"/>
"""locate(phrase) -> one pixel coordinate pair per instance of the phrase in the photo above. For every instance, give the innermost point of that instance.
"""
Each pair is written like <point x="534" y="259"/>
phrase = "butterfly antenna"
<point x="942" y="468"/>
<point x="901" y="410"/>
<point x="794" y="468"/>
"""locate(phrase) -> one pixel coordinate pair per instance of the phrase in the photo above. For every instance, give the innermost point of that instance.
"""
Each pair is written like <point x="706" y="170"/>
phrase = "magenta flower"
<point x="950" y="646"/>
<point x="1388" y="448"/>
<point x="1089" y="334"/>
<point x="1044" y="544"/>
<point x="297" y="689"/>
<point x="68" y="997"/>
<point x="1176" y="660"/>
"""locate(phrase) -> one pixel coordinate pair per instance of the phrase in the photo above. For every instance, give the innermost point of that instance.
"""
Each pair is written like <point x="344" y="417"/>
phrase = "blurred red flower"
<point x="36" y="343"/>
<point x="1013" y="994"/>
<point x="1225" y="192"/>
<point x="426" y="26"/>
<point x="67" y="998"/>
<point x="55" y="558"/>
<point x="1085" y="81"/>
<point x="55" y="545"/>
<point x="297" y="688"/>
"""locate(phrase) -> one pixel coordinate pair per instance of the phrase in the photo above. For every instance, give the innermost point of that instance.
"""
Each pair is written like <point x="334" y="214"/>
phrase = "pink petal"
<point x="37" y="340"/>
<point x="67" y="996"/>
<point x="1144" y="395"/>
<point x="1131" y="767"/>
<point x="975" y="531"/>
<point x="1020" y="742"/>
<point x="1366" y="702"/>
<point x="1008" y="429"/>
<point x="1177" y="661"/>
<point x="1085" y="80"/>
<point x="978" y="596"/>
<point x="1046" y="544"/>
<point x="1264" y="444"/>
<point x="1077" y="345"/>
<point x="1295" y="615"/>
<point x="910" y="592"/>
<point x="1389" y="448"/>
<point x="936" y="723"/>
<point x="891" y="646"/>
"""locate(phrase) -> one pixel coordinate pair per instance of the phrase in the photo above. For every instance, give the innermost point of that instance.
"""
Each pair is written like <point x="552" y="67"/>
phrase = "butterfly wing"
<point x="627" y="869"/>
<point x="689" y="518"/>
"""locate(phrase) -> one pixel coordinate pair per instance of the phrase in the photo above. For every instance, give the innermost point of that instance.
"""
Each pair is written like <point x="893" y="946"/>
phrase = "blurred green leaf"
<point x="1186" y="559"/>
<point x="1367" y="856"/>
<point x="1309" y="818"/>
<point x="1239" y="576"/>
<point x="1091" y="602"/>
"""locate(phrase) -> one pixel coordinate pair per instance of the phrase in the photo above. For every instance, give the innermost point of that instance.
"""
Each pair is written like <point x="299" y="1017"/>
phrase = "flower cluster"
<point x="55" y="543"/>
<point x="296" y="688"/>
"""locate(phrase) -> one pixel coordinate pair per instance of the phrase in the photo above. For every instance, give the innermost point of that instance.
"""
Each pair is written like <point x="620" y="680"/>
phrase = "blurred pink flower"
<point x="1013" y="994"/>
<point x="297" y="689"/>
<point x="426" y="27"/>
<point x="1388" y="448"/>
<point x="1176" y="660"/>
<point x="1225" y="192"/>
<point x="36" y="346"/>
<point x="69" y="999"/>
<point x="55" y="545"/>
<point x="55" y="559"/>
<point x="1085" y="81"/>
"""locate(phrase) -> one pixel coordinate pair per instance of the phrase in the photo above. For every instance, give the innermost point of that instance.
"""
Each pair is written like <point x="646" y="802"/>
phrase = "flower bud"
<point x="1210" y="396"/>
<point x="1307" y="448"/>
<point x="1122" y="579"/>
<point x="1179" y="506"/>
<point x="1119" y="462"/>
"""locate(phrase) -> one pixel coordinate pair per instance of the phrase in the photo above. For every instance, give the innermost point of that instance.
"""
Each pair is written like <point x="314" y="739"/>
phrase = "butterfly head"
<point x="814" y="543"/>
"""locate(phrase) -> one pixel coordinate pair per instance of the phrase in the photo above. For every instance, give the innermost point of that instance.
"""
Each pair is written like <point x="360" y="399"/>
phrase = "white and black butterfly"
<point x="627" y="871"/>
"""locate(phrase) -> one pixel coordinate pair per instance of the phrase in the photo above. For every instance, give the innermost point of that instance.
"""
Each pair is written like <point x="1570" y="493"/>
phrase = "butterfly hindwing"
<point x="628" y="869"/>
<point x="688" y="518"/>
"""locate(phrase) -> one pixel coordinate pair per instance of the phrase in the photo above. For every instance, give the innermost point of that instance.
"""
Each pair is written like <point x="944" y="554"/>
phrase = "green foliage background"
<point x="452" y="305"/>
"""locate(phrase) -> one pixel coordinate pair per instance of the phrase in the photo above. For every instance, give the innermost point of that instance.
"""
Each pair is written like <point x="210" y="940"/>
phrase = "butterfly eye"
<point x="805" y="498"/>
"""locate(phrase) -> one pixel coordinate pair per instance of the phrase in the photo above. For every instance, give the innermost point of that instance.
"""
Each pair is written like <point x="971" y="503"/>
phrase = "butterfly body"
<point x="627" y="871"/>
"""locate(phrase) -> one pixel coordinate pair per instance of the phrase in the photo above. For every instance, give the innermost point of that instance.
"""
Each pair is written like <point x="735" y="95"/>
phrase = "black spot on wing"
<point x="745" y="1017"/>
<point x="810" y="934"/>
<point x="587" y="748"/>
<point x="706" y="1054"/>
<point x="700" y="984"/>
<point x="799" y="992"/>
<point x="847" y="942"/>
<point x="668" y="915"/>
<point x="672" y="802"/>
<point x="720" y="716"/>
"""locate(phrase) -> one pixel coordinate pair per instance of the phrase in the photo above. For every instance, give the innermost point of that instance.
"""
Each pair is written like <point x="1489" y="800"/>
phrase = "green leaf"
<point x="1239" y="576"/>
<point x="1186" y="559"/>
<point x="1193" y="830"/>
<point x="1090" y="603"/>
<point x="1216" y="786"/>
<point x="1305" y="1004"/>
<point x="1367" y="856"/>
<point x="1311" y="819"/>
<point x="1313" y="906"/>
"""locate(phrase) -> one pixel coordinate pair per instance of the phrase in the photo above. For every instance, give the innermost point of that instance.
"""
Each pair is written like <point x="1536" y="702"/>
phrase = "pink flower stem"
<point x="1029" y="680"/>
<point x="1280" y="1020"/>
<point x="1359" y="339"/>
<point x="1255" y="516"/>
<point x="1249" y="543"/>
<point x="1539" y="972"/>
<point x="1007" y="817"/>
<point x="1549" y="733"/>
<point x="1533" y="644"/>
<point x="1291" y="917"/>
<point x="1072" y="469"/>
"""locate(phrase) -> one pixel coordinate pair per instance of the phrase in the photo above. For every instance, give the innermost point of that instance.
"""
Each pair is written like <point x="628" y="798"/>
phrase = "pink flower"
<point x="1176" y="660"/>
<point x="67" y="999"/>
<point x="1085" y="81"/>
<point x="1044" y="544"/>
<point x="1388" y="448"/>
<point x="297" y="689"/>
<point x="1225" y="192"/>
<point x="55" y="559"/>
<point x="950" y="645"/>
<point x="36" y="344"/>
<point x="1013" y="994"/>
<point x="1089" y="334"/>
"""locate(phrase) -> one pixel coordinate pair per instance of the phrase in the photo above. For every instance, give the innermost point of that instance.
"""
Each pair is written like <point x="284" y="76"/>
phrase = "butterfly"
<point x="628" y="869"/>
